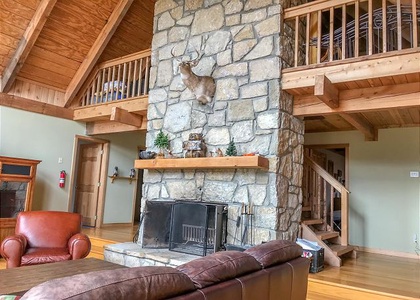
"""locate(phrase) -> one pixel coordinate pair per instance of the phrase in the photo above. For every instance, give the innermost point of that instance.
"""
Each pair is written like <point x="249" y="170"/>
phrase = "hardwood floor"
<point x="370" y="276"/>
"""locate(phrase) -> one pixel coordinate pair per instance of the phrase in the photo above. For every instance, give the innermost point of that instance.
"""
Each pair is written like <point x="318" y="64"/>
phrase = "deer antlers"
<point x="193" y="62"/>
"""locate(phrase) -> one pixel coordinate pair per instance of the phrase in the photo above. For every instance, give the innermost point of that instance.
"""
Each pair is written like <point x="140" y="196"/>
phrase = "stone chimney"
<point x="241" y="46"/>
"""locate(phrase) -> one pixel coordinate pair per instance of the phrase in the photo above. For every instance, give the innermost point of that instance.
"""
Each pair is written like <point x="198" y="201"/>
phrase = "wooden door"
<point x="87" y="182"/>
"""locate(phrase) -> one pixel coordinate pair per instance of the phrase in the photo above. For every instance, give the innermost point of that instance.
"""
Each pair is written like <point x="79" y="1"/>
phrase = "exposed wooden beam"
<point x="361" y="124"/>
<point x="105" y="127"/>
<point x="35" y="106"/>
<point x="360" y="100"/>
<point x="125" y="117"/>
<point x="25" y="45"/>
<point x="97" y="49"/>
<point x="104" y="111"/>
<point x="383" y="65"/>
<point x="326" y="91"/>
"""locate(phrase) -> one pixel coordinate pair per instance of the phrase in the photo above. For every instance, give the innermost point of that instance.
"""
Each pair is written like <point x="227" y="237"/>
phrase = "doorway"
<point x="88" y="179"/>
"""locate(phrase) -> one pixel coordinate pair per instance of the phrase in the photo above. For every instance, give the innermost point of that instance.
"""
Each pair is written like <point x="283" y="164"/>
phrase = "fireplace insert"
<point x="198" y="228"/>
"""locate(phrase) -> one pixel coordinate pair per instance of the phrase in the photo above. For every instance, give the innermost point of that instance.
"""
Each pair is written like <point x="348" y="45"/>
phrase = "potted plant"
<point x="162" y="142"/>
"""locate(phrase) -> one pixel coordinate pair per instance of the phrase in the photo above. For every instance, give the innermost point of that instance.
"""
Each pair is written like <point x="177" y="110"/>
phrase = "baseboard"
<point x="117" y="224"/>
<point x="388" y="252"/>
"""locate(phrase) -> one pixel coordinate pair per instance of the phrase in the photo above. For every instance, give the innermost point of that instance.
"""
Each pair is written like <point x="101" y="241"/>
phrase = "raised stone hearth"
<point x="243" y="49"/>
<point x="133" y="255"/>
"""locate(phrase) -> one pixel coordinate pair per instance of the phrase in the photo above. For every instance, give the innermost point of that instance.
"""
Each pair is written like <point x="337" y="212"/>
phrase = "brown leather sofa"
<point x="43" y="237"/>
<point x="270" y="271"/>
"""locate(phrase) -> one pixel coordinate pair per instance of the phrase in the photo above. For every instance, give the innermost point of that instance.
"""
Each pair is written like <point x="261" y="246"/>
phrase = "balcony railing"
<point x="327" y="31"/>
<point x="119" y="79"/>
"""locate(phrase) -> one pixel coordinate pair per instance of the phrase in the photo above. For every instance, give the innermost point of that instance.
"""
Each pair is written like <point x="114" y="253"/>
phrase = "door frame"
<point x="78" y="140"/>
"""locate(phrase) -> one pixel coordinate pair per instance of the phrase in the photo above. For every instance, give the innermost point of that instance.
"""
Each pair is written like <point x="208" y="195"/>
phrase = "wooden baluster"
<point x="319" y="36"/>
<point x="93" y="87"/>
<point x="85" y="97"/>
<point x="384" y="27"/>
<point x="370" y="28"/>
<point x="98" y="88"/>
<point x="121" y="89"/>
<point x="133" y="88"/>
<point x="344" y="218"/>
<point x="332" y="191"/>
<point x="117" y="83"/>
<point x="129" y="80"/>
<point x="344" y="31"/>
<point x="146" y="77"/>
<point x="113" y="83"/>
<point x="108" y="81"/>
<point x="102" y="71"/>
<point x="139" y="91"/>
<point x="356" y="28"/>
<point x="399" y="25"/>
<point x="307" y="37"/>
<point x="415" y="27"/>
<point x="296" y="50"/>
<point x="331" y="45"/>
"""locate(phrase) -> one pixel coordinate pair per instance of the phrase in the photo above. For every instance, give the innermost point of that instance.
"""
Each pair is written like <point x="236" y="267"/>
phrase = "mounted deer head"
<point x="203" y="87"/>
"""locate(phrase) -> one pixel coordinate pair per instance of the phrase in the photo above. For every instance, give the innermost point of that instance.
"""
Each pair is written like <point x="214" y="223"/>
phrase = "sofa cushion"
<point x="127" y="283"/>
<point x="219" y="266"/>
<point x="275" y="252"/>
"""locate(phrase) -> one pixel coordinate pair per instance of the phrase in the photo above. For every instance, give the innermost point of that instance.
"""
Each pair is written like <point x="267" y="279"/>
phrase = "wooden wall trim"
<point x="35" y="106"/>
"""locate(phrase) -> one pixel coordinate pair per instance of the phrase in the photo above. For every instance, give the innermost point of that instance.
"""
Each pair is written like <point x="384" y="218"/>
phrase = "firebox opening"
<point x="198" y="228"/>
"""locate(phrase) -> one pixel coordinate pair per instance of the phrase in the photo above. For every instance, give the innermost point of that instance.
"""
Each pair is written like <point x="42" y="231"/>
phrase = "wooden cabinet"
<point x="17" y="180"/>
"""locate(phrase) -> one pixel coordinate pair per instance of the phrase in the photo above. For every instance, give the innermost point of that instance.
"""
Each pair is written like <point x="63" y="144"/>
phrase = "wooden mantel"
<point x="226" y="162"/>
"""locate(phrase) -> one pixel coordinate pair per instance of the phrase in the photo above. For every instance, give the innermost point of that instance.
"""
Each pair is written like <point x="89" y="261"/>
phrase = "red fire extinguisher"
<point x="62" y="181"/>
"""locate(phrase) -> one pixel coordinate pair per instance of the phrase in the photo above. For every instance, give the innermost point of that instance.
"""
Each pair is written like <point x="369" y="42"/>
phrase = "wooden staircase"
<point x="318" y="213"/>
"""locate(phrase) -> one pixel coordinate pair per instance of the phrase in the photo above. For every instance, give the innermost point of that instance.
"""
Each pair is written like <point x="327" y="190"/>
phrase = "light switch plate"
<point x="414" y="174"/>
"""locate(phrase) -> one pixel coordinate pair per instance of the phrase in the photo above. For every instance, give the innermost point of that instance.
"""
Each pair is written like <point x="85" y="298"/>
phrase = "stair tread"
<point x="325" y="235"/>
<point x="313" y="221"/>
<point x="340" y="249"/>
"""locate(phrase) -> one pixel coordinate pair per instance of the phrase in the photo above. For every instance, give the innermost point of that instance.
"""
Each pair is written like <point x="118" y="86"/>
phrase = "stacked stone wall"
<point x="240" y="43"/>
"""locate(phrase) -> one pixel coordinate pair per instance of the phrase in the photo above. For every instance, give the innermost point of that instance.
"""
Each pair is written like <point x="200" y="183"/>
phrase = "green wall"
<point x="35" y="136"/>
<point x="384" y="200"/>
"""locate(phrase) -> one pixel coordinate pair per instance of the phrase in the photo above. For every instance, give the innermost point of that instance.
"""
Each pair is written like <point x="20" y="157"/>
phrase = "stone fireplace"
<point x="243" y="48"/>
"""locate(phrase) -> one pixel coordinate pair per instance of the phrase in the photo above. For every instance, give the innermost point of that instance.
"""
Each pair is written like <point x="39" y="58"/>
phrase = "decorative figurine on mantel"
<point x="162" y="142"/>
<point x="231" y="149"/>
<point x="195" y="146"/>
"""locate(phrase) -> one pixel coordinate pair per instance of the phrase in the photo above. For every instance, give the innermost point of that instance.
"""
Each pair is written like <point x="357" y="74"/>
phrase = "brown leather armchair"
<point x="44" y="237"/>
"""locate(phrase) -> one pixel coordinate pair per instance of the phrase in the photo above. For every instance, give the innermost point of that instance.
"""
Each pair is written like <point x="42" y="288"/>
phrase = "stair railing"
<point x="118" y="79"/>
<point x="317" y="181"/>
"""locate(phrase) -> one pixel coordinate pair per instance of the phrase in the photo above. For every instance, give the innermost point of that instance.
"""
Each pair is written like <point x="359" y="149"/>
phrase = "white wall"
<point x="35" y="136"/>
<point x="384" y="200"/>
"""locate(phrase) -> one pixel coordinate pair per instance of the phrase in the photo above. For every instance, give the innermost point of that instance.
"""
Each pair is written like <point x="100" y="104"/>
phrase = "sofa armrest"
<point x="79" y="246"/>
<point x="12" y="249"/>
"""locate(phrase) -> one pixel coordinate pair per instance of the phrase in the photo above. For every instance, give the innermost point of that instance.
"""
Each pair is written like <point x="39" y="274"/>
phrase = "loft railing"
<point x="321" y="190"/>
<point x="118" y="79"/>
<point x="327" y="30"/>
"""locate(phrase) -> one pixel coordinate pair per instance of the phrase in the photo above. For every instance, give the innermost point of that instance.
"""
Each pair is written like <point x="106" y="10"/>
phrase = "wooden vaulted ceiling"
<point x="54" y="44"/>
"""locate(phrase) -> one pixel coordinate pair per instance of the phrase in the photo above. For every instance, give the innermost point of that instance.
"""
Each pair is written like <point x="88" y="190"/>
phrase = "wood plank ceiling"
<point x="53" y="44"/>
